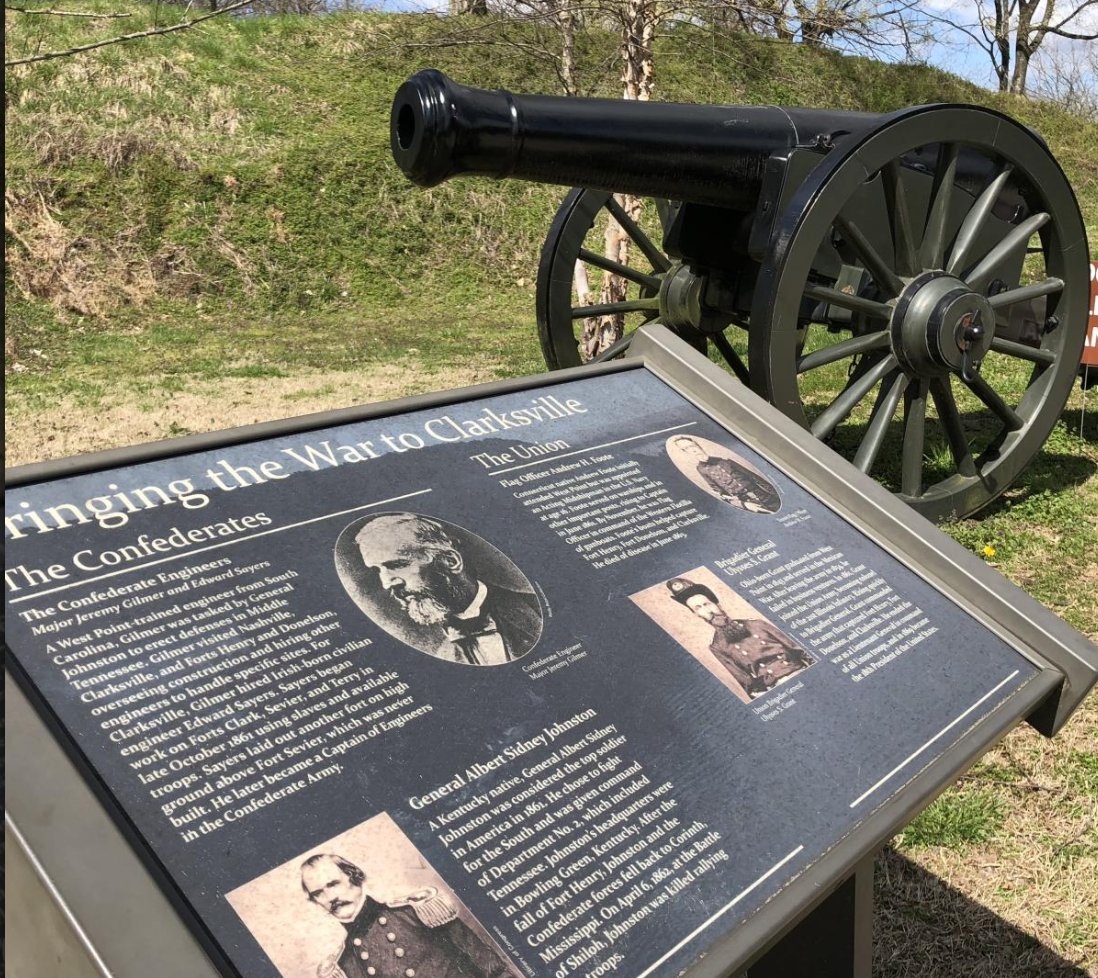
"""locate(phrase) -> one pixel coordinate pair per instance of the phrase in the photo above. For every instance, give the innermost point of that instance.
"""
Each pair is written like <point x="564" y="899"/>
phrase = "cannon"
<point x="912" y="287"/>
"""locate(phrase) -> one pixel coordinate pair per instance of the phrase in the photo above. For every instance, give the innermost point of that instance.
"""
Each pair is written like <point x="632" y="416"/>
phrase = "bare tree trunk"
<point x="998" y="40"/>
<point x="811" y="24"/>
<point x="774" y="12"/>
<point x="1027" y="39"/>
<point x="1022" y="56"/>
<point x="639" y="21"/>
<point x="589" y="338"/>
<point x="1020" y="28"/>
<point x="566" y="21"/>
<point x="566" y="18"/>
<point x="638" y="33"/>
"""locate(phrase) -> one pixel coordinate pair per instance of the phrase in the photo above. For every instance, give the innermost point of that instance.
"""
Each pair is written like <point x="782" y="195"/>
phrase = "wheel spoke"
<point x="731" y="357"/>
<point x="932" y="250"/>
<point x="911" y="466"/>
<point x="855" y="303"/>
<point x="903" y="241"/>
<point x="609" y="308"/>
<point x="1025" y="293"/>
<point x="1014" y="240"/>
<point x="892" y="389"/>
<point x="885" y="278"/>
<point x="663" y="211"/>
<point x="1023" y="351"/>
<point x="842" y="350"/>
<point x="629" y="226"/>
<point x="994" y="403"/>
<point x="616" y="348"/>
<point x="840" y="408"/>
<point x="950" y="418"/>
<point x="608" y="265"/>
<point x="974" y="222"/>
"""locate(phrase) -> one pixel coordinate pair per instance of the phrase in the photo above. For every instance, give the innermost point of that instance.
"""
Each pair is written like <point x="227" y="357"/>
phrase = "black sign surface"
<point x="560" y="682"/>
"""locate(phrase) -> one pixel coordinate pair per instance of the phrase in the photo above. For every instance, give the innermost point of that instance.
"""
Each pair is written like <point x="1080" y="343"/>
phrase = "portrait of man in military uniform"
<point x="758" y="655"/>
<point x="440" y="589"/>
<point x="418" y="935"/>
<point x="366" y="904"/>
<point x="723" y="474"/>
<point x="744" y="650"/>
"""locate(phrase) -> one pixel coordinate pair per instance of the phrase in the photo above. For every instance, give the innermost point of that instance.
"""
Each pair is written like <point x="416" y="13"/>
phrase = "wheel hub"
<point x="941" y="326"/>
<point x="680" y="298"/>
<point x="694" y="301"/>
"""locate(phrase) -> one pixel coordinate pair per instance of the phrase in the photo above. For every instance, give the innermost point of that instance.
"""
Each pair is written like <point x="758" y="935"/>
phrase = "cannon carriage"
<point x="911" y="287"/>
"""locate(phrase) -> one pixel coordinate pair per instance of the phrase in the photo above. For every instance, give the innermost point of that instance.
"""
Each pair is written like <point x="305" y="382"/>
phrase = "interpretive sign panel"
<point x="560" y="681"/>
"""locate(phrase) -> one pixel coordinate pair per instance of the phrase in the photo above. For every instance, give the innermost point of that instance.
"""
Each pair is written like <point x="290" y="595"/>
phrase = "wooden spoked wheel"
<point x="656" y="286"/>
<point x="922" y="308"/>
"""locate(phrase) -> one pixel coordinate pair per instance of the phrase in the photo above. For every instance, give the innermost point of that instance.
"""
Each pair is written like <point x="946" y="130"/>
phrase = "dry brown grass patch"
<point x="927" y="928"/>
<point x="176" y="112"/>
<point x="69" y="428"/>
<point x="356" y="38"/>
<point x="58" y="142"/>
<point x="239" y="259"/>
<point x="49" y="260"/>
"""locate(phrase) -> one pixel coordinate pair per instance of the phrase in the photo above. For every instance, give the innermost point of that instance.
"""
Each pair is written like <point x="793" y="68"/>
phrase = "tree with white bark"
<point x="1013" y="31"/>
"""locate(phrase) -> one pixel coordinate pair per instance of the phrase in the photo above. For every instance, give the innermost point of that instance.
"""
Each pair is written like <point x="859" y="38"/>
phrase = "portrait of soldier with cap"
<point x="756" y="654"/>
<point x="723" y="474"/>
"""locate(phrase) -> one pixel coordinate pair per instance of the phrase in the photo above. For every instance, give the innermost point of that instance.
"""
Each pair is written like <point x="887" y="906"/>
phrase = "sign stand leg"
<point x="834" y="941"/>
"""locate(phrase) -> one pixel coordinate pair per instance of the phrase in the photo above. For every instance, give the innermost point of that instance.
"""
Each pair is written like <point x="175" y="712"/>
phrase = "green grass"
<point x="956" y="820"/>
<point x="1081" y="768"/>
<point x="229" y="178"/>
<point x="270" y="183"/>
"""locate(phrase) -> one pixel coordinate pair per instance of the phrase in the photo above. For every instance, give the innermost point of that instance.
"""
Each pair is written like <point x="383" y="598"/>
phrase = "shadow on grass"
<point x="1048" y="472"/>
<point x="924" y="928"/>
<point x="1083" y="421"/>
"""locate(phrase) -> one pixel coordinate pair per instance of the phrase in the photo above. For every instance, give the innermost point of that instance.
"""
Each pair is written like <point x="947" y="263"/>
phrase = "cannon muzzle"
<point x="710" y="154"/>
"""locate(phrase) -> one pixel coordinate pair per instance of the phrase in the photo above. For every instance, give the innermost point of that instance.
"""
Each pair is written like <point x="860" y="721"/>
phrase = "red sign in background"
<point x="1090" y="348"/>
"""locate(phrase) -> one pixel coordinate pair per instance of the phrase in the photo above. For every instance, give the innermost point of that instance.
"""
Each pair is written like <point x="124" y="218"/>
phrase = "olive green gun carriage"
<point x="911" y="287"/>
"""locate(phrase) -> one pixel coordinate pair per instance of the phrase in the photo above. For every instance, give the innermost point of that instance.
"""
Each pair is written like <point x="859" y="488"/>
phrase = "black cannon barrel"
<point x="712" y="154"/>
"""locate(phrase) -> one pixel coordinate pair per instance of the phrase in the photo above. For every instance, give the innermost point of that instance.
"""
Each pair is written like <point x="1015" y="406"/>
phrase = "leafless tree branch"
<point x="63" y="13"/>
<point x="1071" y="16"/>
<point x="1059" y="32"/>
<point x="152" y="32"/>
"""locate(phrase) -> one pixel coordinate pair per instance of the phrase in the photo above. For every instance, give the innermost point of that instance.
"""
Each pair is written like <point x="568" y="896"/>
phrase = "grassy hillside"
<point x="224" y="198"/>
